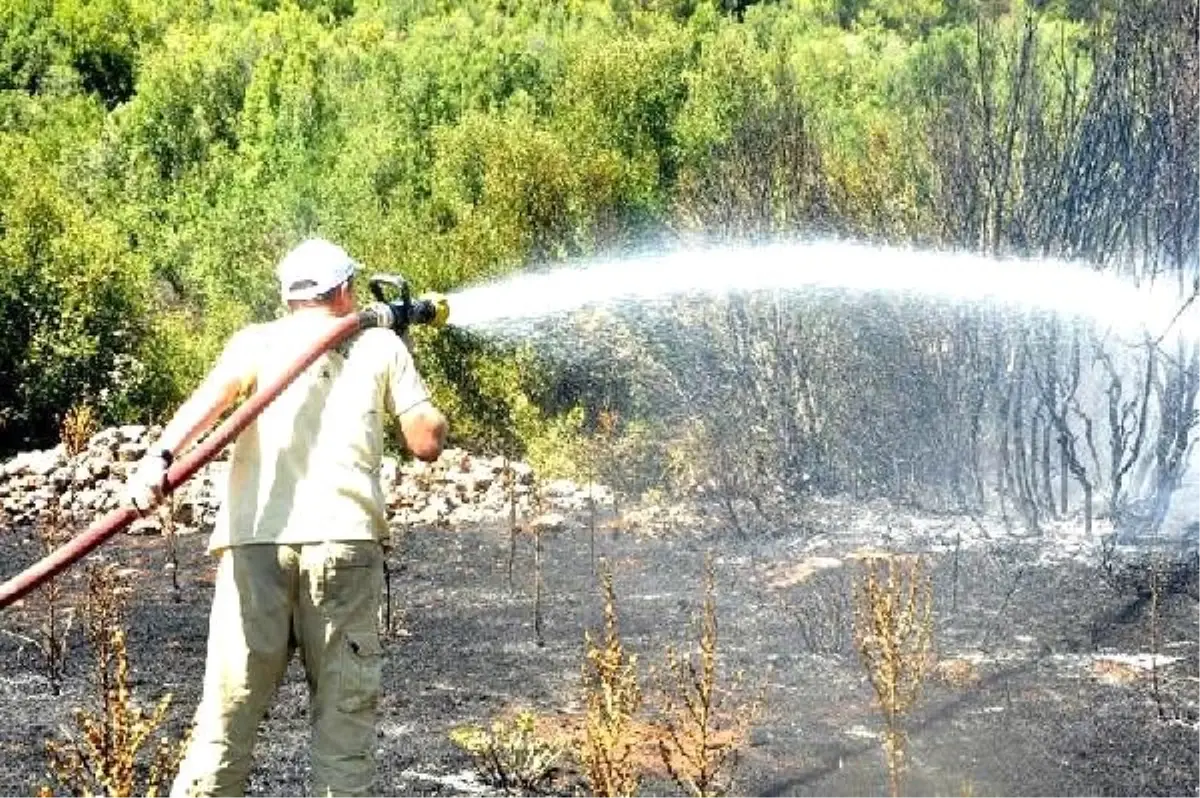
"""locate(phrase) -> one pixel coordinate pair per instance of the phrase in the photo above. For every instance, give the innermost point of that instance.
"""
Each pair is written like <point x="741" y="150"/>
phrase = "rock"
<point x="37" y="463"/>
<point x="466" y="514"/>
<point x="548" y="522"/>
<point x="100" y="463"/>
<point x="428" y="516"/>
<point x="458" y="488"/>
<point x="389" y="470"/>
<point x="131" y="451"/>
<point x="105" y="439"/>
<point x="186" y="512"/>
<point x="483" y="477"/>
<point x="60" y="478"/>
<point x="523" y="472"/>
<point x="133" y="433"/>
<point x="559" y="489"/>
<point x="88" y="499"/>
<point x="150" y="525"/>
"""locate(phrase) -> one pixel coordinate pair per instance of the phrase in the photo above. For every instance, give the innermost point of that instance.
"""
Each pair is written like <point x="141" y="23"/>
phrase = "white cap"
<point x="312" y="268"/>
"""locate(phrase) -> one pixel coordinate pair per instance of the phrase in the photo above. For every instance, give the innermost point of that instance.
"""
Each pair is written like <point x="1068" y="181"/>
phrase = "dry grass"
<point x="1110" y="671"/>
<point x="894" y="633"/>
<point x="694" y="740"/>
<point x="569" y="730"/>
<point x="512" y="756"/>
<point x="700" y="742"/>
<point x="785" y="575"/>
<point x="53" y="617"/>
<point x="613" y="697"/>
<point x="78" y="426"/>
<point x="956" y="672"/>
<point x="105" y="755"/>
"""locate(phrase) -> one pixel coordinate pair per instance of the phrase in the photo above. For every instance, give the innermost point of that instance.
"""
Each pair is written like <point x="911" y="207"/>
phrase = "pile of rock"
<point x="458" y="488"/>
<point x="82" y="486"/>
<point x="462" y="488"/>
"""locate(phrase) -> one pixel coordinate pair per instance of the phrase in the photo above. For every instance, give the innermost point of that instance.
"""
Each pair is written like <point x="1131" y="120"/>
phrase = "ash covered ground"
<point x="1046" y="681"/>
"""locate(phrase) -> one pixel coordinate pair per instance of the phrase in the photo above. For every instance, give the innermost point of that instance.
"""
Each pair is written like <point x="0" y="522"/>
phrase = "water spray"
<point x="395" y="309"/>
<point x="513" y="305"/>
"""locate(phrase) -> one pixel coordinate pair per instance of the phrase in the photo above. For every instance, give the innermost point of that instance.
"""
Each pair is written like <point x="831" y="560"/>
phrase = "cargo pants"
<point x="268" y="601"/>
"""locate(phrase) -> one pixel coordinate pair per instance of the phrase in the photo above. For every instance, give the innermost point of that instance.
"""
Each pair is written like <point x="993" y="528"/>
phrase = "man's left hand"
<point x="146" y="485"/>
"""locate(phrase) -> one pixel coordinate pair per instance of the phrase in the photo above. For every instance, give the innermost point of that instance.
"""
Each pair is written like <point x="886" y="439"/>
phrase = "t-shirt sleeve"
<point x="239" y="359"/>
<point x="405" y="388"/>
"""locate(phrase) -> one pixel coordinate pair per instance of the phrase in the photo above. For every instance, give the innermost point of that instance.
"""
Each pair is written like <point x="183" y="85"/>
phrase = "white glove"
<point x="146" y="485"/>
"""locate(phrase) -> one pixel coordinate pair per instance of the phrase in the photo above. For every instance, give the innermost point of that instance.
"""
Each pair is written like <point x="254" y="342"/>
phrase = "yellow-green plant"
<point x="613" y="697"/>
<point x="701" y="736"/>
<point x="54" y="617"/>
<point x="102" y="756"/>
<point x="511" y="757"/>
<point x="78" y="426"/>
<point x="893" y="624"/>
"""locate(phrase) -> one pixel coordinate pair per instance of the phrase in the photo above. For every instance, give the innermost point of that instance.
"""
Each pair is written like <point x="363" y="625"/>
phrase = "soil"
<point x="1036" y="689"/>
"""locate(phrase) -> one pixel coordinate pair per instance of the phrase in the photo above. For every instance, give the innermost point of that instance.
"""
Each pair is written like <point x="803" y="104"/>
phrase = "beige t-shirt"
<point x="307" y="469"/>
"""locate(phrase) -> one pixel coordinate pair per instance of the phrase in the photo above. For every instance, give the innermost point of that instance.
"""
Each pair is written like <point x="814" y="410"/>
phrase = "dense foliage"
<point x="158" y="156"/>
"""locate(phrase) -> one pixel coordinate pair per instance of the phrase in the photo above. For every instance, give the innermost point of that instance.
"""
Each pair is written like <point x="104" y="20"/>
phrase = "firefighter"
<point x="300" y="534"/>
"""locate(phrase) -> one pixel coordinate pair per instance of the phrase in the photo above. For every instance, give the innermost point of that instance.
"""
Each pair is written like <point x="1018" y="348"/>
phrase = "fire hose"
<point x="398" y="314"/>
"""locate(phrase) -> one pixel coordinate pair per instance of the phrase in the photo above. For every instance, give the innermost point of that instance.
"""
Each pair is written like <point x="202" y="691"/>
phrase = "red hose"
<point x="183" y="469"/>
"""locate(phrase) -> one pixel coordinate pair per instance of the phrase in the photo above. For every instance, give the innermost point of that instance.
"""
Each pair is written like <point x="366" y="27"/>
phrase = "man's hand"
<point x="146" y="485"/>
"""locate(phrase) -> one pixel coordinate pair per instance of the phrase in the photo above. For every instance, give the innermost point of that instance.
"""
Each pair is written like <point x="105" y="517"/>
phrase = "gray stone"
<point x="105" y="439"/>
<point x="60" y="478"/>
<point x="389" y="469"/>
<point x="465" y="514"/>
<point x="548" y="522"/>
<point x="150" y="525"/>
<point x="523" y="472"/>
<point x="132" y="433"/>
<point x="186" y="512"/>
<point x="89" y="499"/>
<point x="131" y="451"/>
<point x="559" y="488"/>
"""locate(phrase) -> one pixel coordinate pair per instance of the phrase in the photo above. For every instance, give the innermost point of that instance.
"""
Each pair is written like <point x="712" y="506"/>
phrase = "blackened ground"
<point x="1038" y="715"/>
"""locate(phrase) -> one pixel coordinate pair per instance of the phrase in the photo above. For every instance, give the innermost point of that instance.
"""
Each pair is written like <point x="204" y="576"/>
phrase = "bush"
<point x="73" y="304"/>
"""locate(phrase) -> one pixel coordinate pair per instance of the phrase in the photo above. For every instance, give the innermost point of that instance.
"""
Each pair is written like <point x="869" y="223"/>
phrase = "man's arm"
<point x="219" y="390"/>
<point x="424" y="430"/>
<point x="197" y="414"/>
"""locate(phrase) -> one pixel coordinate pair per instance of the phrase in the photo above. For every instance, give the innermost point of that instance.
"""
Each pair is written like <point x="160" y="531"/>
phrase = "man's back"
<point x="307" y="469"/>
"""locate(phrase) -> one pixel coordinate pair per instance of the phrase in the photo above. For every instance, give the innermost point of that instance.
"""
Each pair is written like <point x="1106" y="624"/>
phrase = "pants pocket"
<point x="349" y="579"/>
<point x="361" y="672"/>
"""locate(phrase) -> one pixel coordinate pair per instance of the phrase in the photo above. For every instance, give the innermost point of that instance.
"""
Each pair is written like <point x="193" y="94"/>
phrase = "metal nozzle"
<point x="432" y="309"/>
<point x="398" y="311"/>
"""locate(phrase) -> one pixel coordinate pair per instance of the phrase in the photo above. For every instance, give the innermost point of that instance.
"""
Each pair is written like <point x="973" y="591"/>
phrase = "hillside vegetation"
<point x="158" y="156"/>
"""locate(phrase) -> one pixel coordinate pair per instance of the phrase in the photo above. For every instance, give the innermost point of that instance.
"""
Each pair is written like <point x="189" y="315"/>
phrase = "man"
<point x="299" y="535"/>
